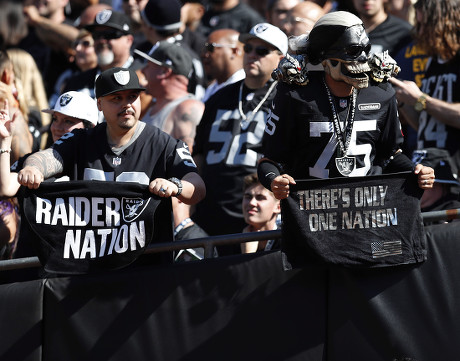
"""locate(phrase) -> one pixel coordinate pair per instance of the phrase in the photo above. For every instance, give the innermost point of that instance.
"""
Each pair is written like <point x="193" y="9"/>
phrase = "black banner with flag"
<point x="371" y="221"/>
<point x="86" y="226"/>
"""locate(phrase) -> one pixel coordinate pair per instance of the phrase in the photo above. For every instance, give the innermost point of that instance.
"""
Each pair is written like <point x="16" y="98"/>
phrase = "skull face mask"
<point x="346" y="59"/>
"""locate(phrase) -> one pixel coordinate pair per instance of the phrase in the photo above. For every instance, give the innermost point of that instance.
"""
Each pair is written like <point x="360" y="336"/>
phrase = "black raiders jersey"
<point x="300" y="133"/>
<point x="441" y="81"/>
<point x="230" y="148"/>
<point x="87" y="155"/>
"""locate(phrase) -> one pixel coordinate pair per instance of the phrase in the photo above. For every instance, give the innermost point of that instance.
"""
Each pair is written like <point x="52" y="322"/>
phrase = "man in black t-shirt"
<point x="231" y="129"/>
<point x="121" y="149"/>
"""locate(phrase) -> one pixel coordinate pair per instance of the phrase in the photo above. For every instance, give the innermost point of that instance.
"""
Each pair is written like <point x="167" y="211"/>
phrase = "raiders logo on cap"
<point x="260" y="28"/>
<point x="64" y="100"/>
<point x="116" y="79"/>
<point x="268" y="33"/>
<point x="122" y="77"/>
<point x="103" y="16"/>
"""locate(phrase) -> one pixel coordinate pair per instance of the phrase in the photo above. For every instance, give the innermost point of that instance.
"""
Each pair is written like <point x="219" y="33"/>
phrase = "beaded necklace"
<point x="345" y="164"/>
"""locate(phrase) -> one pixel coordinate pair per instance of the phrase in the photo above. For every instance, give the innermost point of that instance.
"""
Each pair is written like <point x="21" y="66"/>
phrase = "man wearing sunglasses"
<point x="342" y="123"/>
<point x="222" y="59"/>
<point x="231" y="130"/>
<point x="111" y="32"/>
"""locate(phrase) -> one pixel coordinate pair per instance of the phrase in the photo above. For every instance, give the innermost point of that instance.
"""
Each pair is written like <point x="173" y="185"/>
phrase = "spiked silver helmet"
<point x="339" y="42"/>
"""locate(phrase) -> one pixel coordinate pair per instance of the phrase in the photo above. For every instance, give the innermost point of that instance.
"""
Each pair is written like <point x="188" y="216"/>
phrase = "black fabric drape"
<point x="371" y="221"/>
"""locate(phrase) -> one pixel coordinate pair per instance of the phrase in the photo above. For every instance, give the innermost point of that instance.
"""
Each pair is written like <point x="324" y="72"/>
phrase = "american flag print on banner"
<point x="383" y="248"/>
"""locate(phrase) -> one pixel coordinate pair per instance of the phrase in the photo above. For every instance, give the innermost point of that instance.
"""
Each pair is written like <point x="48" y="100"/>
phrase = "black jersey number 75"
<point x="318" y="129"/>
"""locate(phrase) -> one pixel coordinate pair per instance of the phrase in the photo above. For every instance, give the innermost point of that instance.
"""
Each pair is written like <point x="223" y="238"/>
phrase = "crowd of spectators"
<point x="206" y="66"/>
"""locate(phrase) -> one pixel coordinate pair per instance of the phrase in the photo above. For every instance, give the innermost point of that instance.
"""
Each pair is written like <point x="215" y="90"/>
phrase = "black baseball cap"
<point x="112" y="19"/>
<point x="163" y="15"/>
<point x="170" y="55"/>
<point x="116" y="79"/>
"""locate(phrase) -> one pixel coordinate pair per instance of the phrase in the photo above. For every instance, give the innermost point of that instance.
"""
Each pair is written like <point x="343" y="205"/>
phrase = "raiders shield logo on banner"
<point x="133" y="208"/>
<point x="85" y="226"/>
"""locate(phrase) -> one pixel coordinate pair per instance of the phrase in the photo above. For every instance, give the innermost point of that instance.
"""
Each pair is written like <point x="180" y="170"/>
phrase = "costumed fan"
<point x="340" y="123"/>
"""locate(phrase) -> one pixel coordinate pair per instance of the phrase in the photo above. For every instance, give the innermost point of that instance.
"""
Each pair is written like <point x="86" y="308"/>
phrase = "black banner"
<point x="371" y="221"/>
<point x="86" y="226"/>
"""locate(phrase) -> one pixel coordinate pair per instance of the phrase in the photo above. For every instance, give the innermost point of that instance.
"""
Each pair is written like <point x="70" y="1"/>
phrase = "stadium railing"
<point x="208" y="243"/>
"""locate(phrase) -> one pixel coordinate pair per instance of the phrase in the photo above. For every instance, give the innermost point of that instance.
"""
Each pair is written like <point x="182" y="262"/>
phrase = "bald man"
<point x="301" y="18"/>
<point x="222" y="60"/>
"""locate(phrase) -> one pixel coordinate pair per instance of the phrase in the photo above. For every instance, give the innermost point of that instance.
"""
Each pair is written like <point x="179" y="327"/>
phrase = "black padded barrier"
<point x="242" y="308"/>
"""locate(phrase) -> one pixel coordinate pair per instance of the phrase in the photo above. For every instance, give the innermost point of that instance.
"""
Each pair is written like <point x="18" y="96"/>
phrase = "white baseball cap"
<point x="268" y="33"/>
<point x="76" y="104"/>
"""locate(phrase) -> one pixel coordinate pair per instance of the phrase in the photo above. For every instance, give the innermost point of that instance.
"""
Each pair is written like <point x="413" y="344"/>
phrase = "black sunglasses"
<point x="356" y="50"/>
<point x="260" y="50"/>
<point x="211" y="46"/>
<point x="84" y="43"/>
<point x="107" y="35"/>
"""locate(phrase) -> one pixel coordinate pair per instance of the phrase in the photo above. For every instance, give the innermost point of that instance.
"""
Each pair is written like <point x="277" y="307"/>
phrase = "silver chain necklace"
<point x="252" y="113"/>
<point x="345" y="164"/>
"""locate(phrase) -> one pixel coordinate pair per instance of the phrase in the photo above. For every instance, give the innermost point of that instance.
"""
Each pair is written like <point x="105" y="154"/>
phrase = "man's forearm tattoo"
<point x="48" y="161"/>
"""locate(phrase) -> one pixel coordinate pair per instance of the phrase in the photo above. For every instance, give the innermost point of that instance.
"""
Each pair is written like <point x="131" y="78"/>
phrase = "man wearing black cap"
<point x="120" y="149"/>
<point x="113" y="40"/>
